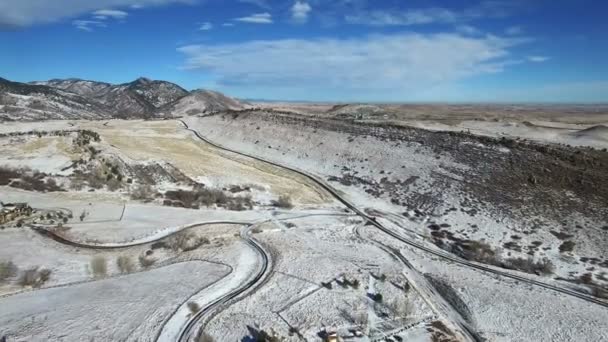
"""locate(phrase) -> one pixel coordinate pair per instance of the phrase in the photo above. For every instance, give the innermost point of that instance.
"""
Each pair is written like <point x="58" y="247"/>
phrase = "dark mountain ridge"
<point x="75" y="98"/>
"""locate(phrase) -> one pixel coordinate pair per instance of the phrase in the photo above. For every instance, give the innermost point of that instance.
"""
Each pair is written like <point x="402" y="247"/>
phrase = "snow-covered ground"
<point x="328" y="270"/>
<point x="126" y="308"/>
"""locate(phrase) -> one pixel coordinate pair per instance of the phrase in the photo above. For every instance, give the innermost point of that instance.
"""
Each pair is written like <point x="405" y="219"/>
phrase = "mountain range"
<point x="83" y="99"/>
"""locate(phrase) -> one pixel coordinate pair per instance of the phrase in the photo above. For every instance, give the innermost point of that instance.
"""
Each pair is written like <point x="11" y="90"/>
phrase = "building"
<point x="12" y="211"/>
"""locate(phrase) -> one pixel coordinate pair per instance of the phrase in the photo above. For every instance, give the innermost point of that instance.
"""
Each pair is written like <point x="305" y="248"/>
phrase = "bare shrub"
<point x="34" y="277"/>
<point x="197" y="197"/>
<point x="29" y="180"/>
<point x="146" y="261"/>
<point x="354" y="315"/>
<point x="114" y="184"/>
<point x="95" y="180"/>
<point x="99" y="266"/>
<point x="142" y="193"/>
<point x="205" y="337"/>
<point x="566" y="246"/>
<point x="240" y="203"/>
<point x="186" y="242"/>
<point x="8" y="174"/>
<point x="400" y="307"/>
<point x="193" y="307"/>
<point x="125" y="264"/>
<point x="284" y="201"/>
<point x="529" y="265"/>
<point x="476" y="251"/>
<point x="7" y="270"/>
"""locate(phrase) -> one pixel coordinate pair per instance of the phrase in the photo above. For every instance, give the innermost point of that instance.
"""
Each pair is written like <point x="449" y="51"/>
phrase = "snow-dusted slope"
<point x="139" y="98"/>
<point x="202" y="101"/>
<point x="20" y="101"/>
<point x="157" y="93"/>
<point x="82" y="99"/>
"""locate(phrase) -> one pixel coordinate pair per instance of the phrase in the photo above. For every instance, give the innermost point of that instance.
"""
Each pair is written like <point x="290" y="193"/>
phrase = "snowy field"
<point x="127" y="308"/>
<point x="140" y="231"/>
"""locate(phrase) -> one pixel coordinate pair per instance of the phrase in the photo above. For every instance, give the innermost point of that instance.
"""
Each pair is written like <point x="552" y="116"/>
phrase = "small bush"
<point x="99" y="266"/>
<point x="193" y="307"/>
<point x="529" y="265"/>
<point x="566" y="246"/>
<point x="205" y="337"/>
<point x="400" y="307"/>
<point x="125" y="264"/>
<point x="186" y="242"/>
<point x="83" y="215"/>
<point x="34" y="277"/>
<point x="284" y="201"/>
<point x="377" y="297"/>
<point x="146" y="261"/>
<point x="142" y="193"/>
<point x="477" y="251"/>
<point x="7" y="270"/>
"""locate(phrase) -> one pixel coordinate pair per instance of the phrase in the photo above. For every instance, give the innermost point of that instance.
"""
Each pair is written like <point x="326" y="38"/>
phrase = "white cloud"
<point x="206" y="27"/>
<point x="87" y="25"/>
<point x="403" y="62"/>
<point x="538" y="59"/>
<point x="514" y="30"/>
<point x="227" y="24"/>
<point x="300" y="11"/>
<point x="21" y="13"/>
<point x="107" y="13"/>
<point x="468" y="29"/>
<point x="258" y="18"/>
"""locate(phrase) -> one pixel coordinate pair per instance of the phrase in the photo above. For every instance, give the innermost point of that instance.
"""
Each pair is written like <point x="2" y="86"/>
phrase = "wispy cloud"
<point x="258" y="18"/>
<point x="468" y="29"/>
<point x="538" y="59"/>
<point x="514" y="30"/>
<point x="22" y="13"/>
<point x="259" y="3"/>
<point x="108" y="13"/>
<point x="300" y="11"/>
<point x="403" y="62"/>
<point x="206" y="26"/>
<point x="431" y="15"/>
<point x="88" y="25"/>
<point x="100" y="18"/>
<point x="227" y="24"/>
<point x="404" y="18"/>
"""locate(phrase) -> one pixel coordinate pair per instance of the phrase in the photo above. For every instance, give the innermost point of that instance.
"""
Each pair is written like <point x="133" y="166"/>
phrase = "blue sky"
<point x="323" y="50"/>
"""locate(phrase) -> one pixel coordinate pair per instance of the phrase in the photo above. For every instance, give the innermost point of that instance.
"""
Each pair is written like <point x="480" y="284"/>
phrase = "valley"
<point x="158" y="214"/>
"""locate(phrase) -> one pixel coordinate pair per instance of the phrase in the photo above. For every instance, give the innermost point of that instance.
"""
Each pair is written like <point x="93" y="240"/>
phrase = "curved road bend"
<point x="140" y="242"/>
<point x="187" y="332"/>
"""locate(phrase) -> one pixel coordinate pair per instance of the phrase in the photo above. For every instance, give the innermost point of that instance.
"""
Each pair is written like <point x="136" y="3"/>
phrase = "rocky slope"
<point x="82" y="99"/>
<point x="20" y="101"/>
<point x="139" y="98"/>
